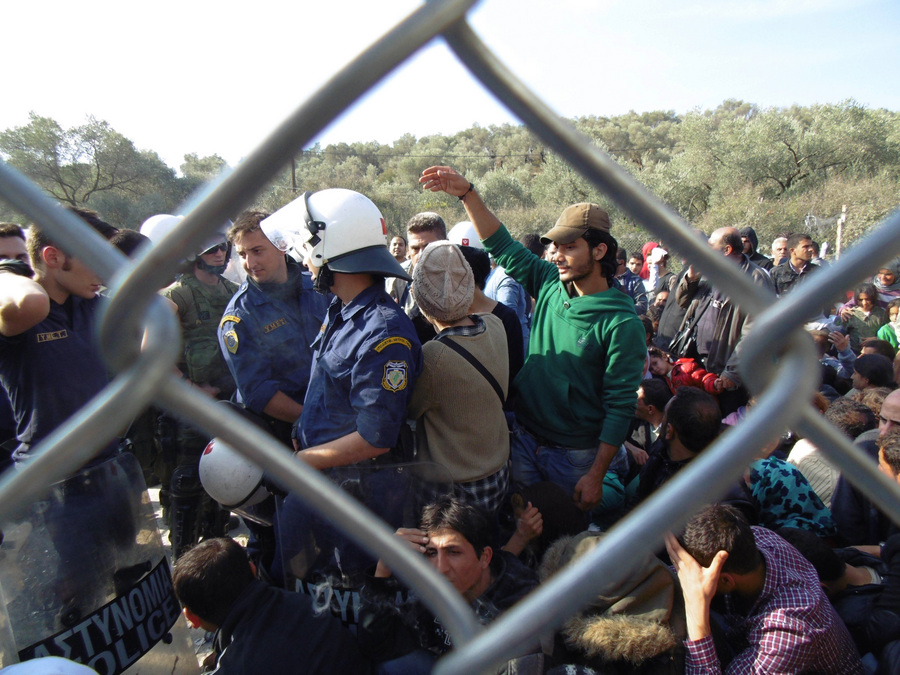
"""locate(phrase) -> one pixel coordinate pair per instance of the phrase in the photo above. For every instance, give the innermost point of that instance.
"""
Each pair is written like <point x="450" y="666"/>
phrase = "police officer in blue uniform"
<point x="269" y="325"/>
<point x="50" y="367"/>
<point x="367" y="355"/>
<point x="49" y="362"/>
<point x="265" y="337"/>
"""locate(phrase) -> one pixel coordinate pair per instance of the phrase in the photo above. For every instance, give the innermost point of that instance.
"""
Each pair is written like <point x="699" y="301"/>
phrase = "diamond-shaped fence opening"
<point x="780" y="365"/>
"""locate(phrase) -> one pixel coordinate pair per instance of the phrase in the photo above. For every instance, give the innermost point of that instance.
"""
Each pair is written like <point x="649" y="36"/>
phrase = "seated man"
<point x="458" y="540"/>
<point x="853" y="581"/>
<point x="653" y="395"/>
<point x="858" y="520"/>
<point x="692" y="422"/>
<point x="850" y="417"/>
<point x="886" y="612"/>
<point x="259" y="629"/>
<point x="777" y="618"/>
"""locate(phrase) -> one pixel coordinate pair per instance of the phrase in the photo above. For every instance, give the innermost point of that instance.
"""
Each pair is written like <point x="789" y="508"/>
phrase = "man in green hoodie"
<point x="577" y="391"/>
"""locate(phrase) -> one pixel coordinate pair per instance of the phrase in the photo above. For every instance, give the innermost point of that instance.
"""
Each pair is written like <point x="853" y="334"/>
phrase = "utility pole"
<point x="840" y="231"/>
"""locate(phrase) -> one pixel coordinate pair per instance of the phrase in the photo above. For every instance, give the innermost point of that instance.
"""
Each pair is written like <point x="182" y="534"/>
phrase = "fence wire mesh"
<point x="783" y="375"/>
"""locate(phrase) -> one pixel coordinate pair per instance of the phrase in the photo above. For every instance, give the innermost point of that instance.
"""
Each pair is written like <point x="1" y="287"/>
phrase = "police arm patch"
<point x="392" y="341"/>
<point x="231" y="341"/>
<point x="229" y="317"/>
<point x="396" y="375"/>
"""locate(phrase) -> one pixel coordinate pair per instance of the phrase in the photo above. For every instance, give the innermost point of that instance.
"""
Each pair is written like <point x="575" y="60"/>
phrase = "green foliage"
<point x="640" y="140"/>
<point x="777" y="170"/>
<point x="91" y="165"/>
<point x="203" y="168"/>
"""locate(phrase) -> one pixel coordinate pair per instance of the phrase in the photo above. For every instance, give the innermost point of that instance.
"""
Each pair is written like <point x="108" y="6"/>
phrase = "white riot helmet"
<point x="339" y="228"/>
<point x="464" y="234"/>
<point x="279" y="229"/>
<point x="230" y="478"/>
<point x="155" y="228"/>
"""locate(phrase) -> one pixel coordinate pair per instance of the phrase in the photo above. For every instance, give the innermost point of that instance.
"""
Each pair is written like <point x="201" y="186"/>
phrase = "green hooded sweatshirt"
<point x="585" y="359"/>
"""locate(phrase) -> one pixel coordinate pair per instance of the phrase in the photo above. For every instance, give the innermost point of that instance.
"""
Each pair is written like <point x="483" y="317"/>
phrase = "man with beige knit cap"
<point x="459" y="396"/>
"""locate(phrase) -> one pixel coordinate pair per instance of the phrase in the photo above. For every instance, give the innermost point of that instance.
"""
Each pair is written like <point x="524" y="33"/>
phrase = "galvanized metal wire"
<point x="783" y="375"/>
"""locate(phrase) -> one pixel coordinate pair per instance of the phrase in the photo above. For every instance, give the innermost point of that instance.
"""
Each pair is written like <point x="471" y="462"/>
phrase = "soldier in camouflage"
<point x="200" y="297"/>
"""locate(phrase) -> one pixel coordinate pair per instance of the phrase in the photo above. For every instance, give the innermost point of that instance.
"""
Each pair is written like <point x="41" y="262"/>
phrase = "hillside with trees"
<point x="778" y="170"/>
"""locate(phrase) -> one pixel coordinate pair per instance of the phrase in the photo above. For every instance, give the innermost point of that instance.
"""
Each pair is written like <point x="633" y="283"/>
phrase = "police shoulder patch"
<point x="395" y="375"/>
<point x="393" y="341"/>
<point x="229" y="317"/>
<point x="231" y="341"/>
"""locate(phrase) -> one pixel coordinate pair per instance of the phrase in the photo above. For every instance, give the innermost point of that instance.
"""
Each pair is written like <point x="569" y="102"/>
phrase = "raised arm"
<point x="445" y="179"/>
<point x="23" y="303"/>
<point x="698" y="585"/>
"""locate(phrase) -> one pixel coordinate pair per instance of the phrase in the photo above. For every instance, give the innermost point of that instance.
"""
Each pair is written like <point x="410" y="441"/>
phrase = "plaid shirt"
<point x="792" y="627"/>
<point x="489" y="492"/>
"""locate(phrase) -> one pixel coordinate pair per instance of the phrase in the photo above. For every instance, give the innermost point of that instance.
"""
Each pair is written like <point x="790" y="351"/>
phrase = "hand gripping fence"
<point x="783" y="374"/>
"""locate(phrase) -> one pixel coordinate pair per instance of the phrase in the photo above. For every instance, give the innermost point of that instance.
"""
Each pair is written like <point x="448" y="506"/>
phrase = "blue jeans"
<point x="533" y="462"/>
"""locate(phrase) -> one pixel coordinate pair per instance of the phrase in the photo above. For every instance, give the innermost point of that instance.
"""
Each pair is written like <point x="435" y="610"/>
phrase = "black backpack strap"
<point x="443" y="339"/>
<point x="699" y="311"/>
<point x="404" y="295"/>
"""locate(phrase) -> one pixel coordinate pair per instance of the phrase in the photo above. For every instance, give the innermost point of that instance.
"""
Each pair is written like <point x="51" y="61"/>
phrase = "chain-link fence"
<point x="783" y="375"/>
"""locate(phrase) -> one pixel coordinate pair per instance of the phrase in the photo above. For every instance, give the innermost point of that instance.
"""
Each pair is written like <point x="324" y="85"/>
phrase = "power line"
<point x="441" y="155"/>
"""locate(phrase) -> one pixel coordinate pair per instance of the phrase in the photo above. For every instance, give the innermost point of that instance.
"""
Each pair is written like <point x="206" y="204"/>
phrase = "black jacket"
<point x="722" y="358"/>
<point x="388" y="629"/>
<point x="784" y="276"/>
<point x="659" y="468"/>
<point x="269" y="630"/>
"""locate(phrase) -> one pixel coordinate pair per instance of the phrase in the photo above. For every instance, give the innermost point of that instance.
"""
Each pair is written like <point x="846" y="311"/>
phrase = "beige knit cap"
<point x="443" y="285"/>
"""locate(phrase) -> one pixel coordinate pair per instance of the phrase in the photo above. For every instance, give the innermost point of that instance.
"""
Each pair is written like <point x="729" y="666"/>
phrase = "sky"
<point x="193" y="76"/>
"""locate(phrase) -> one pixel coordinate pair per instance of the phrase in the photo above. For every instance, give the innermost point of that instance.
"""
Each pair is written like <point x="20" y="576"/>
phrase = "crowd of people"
<point x="500" y="404"/>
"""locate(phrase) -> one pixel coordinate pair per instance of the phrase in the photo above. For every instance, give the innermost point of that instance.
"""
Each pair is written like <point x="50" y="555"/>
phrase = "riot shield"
<point x="84" y="575"/>
<point x="322" y="561"/>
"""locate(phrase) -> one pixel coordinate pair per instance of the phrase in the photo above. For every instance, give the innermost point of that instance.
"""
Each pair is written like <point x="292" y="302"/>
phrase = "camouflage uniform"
<point x="200" y="307"/>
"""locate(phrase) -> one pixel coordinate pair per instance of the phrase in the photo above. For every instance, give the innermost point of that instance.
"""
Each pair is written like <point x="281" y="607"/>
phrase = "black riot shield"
<point x="320" y="560"/>
<point x="84" y="576"/>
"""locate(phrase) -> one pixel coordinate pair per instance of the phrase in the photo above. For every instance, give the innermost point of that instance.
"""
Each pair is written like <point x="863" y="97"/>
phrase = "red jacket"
<point x="689" y="373"/>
